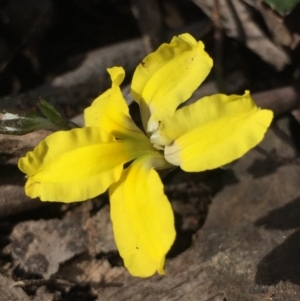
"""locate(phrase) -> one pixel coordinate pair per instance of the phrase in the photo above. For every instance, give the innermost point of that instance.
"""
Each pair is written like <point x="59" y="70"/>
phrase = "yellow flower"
<point x="79" y="164"/>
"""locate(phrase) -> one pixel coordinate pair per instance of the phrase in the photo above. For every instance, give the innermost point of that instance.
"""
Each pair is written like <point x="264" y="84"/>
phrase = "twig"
<point x="32" y="29"/>
<point x="149" y="19"/>
<point x="218" y="36"/>
<point x="61" y="283"/>
<point x="42" y="282"/>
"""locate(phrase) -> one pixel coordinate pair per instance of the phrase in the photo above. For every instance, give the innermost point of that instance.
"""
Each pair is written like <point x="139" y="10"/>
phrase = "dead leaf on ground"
<point x="185" y="280"/>
<point x="40" y="246"/>
<point x="250" y="241"/>
<point x="99" y="232"/>
<point x="90" y="271"/>
<point x="237" y="21"/>
<point x="10" y="293"/>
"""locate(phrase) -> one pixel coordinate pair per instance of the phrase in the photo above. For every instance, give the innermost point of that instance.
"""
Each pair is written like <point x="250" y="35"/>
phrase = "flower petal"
<point x="213" y="132"/>
<point x="110" y="111"/>
<point x="76" y="165"/>
<point x="205" y="110"/>
<point x="168" y="77"/>
<point x="142" y="217"/>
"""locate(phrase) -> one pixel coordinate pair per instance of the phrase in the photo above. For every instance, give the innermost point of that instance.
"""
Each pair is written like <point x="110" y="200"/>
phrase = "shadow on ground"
<point x="282" y="263"/>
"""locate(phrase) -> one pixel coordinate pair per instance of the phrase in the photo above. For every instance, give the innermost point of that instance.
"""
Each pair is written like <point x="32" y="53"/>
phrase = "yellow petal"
<point x="168" y="77"/>
<point x="205" y="110"/>
<point x="142" y="217"/>
<point x="213" y="132"/>
<point x="110" y="111"/>
<point x="76" y="165"/>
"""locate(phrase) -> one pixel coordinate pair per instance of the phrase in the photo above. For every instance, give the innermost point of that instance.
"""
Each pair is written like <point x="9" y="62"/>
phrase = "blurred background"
<point x="59" y="49"/>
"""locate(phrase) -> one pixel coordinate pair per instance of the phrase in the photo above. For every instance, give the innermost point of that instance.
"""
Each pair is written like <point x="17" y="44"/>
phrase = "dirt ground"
<point x="237" y="228"/>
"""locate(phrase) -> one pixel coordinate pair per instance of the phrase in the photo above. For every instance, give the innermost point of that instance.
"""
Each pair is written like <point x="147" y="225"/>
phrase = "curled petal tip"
<point x="117" y="75"/>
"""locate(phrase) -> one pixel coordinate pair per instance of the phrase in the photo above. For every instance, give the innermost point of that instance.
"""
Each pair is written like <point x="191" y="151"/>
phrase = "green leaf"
<point x="20" y="124"/>
<point x="282" y="6"/>
<point x="49" y="111"/>
<point x="27" y="121"/>
<point x="52" y="115"/>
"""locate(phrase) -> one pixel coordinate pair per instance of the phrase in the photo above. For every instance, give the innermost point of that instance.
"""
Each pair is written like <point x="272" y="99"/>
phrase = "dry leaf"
<point x="250" y="241"/>
<point x="238" y="23"/>
<point x="99" y="232"/>
<point x="40" y="246"/>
